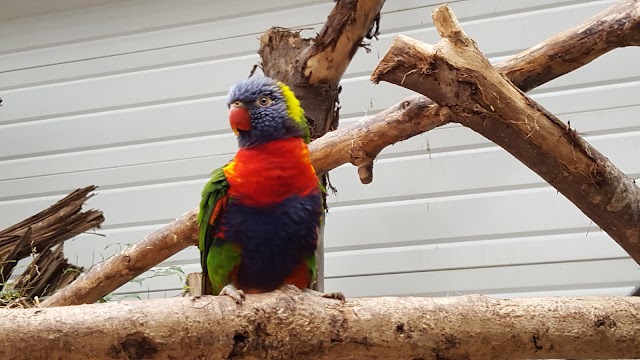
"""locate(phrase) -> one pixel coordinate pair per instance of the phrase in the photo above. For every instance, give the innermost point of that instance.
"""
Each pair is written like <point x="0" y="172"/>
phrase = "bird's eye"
<point x="237" y="103"/>
<point x="264" y="101"/>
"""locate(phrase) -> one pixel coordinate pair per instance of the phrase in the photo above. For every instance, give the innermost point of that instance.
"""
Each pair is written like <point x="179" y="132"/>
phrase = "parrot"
<point x="260" y="213"/>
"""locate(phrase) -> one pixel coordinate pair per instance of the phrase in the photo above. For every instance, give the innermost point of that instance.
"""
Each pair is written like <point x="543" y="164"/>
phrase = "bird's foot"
<point x="332" y="295"/>
<point x="236" y="294"/>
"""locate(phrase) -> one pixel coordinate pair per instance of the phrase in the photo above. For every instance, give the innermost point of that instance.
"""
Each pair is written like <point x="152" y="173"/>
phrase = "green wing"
<point x="305" y="126"/>
<point x="216" y="258"/>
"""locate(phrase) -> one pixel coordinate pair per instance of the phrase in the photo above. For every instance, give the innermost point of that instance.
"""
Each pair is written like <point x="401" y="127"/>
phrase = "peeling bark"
<point x="52" y="226"/>
<point x="40" y="234"/>
<point x="456" y="75"/>
<point x="294" y="325"/>
<point x="410" y="117"/>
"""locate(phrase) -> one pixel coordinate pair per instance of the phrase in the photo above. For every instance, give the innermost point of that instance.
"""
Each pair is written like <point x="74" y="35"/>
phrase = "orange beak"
<point x="239" y="118"/>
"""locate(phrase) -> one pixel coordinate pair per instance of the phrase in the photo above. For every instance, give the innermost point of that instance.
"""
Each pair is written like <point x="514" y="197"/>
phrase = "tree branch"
<point x="458" y="77"/>
<point x="114" y="272"/>
<point x="412" y="116"/>
<point x="360" y="143"/>
<point x="291" y="324"/>
<point x="54" y="225"/>
<point x="615" y="27"/>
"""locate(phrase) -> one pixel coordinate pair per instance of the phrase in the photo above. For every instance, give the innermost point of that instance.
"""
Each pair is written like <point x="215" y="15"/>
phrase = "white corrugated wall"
<point x="130" y="96"/>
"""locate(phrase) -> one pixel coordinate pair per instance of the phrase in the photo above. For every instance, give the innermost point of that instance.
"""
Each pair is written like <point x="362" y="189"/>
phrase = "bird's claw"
<point x="332" y="295"/>
<point x="236" y="294"/>
<point x="337" y="295"/>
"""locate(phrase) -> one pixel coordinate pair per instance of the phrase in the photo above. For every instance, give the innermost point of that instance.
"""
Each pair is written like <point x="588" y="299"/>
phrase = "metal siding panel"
<point x="438" y="177"/>
<point x="576" y="103"/>
<point x="503" y="282"/>
<point x="120" y="19"/>
<point x="494" y="280"/>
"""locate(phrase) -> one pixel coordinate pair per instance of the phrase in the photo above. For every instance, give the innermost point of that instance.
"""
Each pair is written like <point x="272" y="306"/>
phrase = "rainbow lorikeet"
<point x="260" y="213"/>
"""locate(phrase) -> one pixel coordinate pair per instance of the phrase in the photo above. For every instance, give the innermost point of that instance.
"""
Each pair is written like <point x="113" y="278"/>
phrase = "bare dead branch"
<point x="615" y="27"/>
<point x="39" y="233"/>
<point x="62" y="221"/>
<point x="48" y="272"/>
<point x="11" y="260"/>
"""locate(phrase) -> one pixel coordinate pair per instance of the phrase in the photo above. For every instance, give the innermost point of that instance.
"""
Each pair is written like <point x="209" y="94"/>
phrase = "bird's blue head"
<point x="262" y="109"/>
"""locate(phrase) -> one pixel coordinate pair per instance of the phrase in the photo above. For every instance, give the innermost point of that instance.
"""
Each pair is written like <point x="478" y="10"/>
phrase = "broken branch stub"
<point x="456" y="75"/>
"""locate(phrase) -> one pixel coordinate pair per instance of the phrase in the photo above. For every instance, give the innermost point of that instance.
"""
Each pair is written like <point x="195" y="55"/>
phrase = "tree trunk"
<point x="456" y="75"/>
<point x="313" y="69"/>
<point x="290" y="324"/>
<point x="361" y="142"/>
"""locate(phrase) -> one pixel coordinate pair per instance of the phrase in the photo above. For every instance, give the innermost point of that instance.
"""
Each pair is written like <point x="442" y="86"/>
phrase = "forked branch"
<point x="456" y="75"/>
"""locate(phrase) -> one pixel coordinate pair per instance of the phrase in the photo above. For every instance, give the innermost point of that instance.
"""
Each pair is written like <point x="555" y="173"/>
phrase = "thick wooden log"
<point x="294" y="325"/>
<point x="361" y="142"/>
<point x="456" y="75"/>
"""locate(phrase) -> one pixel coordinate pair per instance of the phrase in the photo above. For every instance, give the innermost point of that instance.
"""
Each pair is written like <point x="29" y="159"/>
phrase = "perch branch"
<point x="456" y="75"/>
<point x="289" y="324"/>
<point x="412" y="116"/>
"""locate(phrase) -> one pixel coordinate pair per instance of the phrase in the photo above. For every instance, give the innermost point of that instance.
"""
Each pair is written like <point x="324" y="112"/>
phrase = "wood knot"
<point x="605" y="322"/>
<point x="134" y="346"/>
